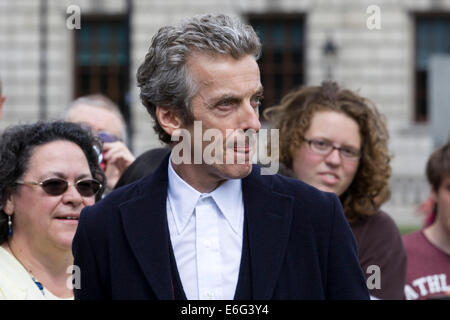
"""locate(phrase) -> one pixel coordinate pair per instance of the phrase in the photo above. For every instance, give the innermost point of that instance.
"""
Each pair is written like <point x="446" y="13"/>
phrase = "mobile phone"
<point x="105" y="137"/>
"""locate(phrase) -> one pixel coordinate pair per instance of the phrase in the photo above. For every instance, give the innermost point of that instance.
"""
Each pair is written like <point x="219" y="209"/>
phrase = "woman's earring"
<point x="10" y="231"/>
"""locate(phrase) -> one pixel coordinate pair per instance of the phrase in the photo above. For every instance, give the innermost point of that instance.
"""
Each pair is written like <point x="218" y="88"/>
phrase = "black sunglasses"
<point x="57" y="186"/>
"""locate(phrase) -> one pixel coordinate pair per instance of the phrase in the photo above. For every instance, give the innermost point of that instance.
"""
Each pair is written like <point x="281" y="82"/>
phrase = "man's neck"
<point x="197" y="177"/>
<point x="439" y="236"/>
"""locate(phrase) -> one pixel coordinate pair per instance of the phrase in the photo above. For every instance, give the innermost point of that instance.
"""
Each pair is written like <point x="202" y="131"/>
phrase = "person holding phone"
<point x="103" y="116"/>
<point x="48" y="173"/>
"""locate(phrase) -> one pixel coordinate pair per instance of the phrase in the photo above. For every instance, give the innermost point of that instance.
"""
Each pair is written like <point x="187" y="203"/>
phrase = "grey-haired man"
<point x="213" y="230"/>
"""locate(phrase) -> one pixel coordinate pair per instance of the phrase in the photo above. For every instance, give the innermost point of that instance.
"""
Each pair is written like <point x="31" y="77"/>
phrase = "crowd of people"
<point x="72" y="194"/>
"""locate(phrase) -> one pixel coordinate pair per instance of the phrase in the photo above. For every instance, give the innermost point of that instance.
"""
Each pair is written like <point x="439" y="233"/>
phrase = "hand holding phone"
<point x="105" y="137"/>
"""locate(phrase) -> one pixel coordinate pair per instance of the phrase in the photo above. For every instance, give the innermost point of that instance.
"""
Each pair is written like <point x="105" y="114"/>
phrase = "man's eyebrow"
<point x="232" y="96"/>
<point x="227" y="96"/>
<point x="260" y="91"/>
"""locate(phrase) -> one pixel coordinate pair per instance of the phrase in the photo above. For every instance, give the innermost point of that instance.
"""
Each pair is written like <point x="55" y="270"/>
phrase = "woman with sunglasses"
<point x="49" y="172"/>
<point x="336" y="140"/>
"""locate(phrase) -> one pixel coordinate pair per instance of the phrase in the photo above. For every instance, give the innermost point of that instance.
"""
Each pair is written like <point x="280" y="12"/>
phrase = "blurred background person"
<point x="2" y="99"/>
<point x="48" y="173"/>
<point x="103" y="116"/>
<point x="336" y="140"/>
<point x="144" y="164"/>
<point x="428" y="250"/>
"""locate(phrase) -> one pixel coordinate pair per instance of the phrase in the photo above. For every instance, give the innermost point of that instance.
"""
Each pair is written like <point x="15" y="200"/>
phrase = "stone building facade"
<point x="375" y="54"/>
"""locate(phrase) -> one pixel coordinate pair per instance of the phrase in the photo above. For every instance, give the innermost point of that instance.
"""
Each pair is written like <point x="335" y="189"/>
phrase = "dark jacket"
<point x="300" y="245"/>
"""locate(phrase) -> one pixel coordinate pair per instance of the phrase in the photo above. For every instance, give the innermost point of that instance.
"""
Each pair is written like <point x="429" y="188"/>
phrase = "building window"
<point x="432" y="36"/>
<point x="281" y="62"/>
<point x="102" y="62"/>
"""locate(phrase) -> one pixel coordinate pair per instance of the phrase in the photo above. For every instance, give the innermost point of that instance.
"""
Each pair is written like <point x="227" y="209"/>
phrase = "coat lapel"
<point x="269" y="216"/>
<point x="145" y="224"/>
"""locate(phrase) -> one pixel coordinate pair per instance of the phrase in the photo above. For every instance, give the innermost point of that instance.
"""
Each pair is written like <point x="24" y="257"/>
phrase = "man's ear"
<point x="168" y="120"/>
<point x="434" y="195"/>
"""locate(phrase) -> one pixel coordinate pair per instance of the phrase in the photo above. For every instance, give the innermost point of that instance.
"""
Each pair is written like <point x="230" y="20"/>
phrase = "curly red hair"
<point x="370" y="186"/>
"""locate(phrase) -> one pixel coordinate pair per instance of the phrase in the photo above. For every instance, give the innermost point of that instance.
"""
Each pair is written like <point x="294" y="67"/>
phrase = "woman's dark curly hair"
<point x="17" y="144"/>
<point x="370" y="186"/>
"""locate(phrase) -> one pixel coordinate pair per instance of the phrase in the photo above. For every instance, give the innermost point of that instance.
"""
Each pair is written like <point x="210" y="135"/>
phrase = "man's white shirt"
<point x="206" y="231"/>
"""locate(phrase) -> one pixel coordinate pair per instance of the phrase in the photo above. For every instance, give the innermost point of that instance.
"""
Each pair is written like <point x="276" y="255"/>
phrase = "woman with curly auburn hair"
<point x="336" y="140"/>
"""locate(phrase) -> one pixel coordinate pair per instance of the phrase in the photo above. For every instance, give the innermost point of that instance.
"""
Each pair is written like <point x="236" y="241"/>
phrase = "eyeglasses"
<point x="324" y="148"/>
<point x="57" y="186"/>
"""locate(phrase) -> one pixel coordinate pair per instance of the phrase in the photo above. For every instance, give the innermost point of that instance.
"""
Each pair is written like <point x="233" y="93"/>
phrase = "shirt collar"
<point x="228" y="197"/>
<point x="183" y="199"/>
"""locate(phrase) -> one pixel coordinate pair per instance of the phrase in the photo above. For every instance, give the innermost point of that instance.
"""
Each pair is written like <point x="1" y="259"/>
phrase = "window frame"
<point x="125" y="107"/>
<point x="288" y="82"/>
<point x="416" y="17"/>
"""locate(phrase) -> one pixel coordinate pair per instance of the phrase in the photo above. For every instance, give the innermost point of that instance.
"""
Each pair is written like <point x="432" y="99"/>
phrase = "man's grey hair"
<point x="102" y="102"/>
<point x="1" y="87"/>
<point x="164" y="78"/>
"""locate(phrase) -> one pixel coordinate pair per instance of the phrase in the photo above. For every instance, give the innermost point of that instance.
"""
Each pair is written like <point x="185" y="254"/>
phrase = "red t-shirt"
<point x="380" y="245"/>
<point x="428" y="271"/>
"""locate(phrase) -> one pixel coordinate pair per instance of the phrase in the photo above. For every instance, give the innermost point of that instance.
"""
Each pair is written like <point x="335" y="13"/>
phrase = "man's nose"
<point x="250" y="118"/>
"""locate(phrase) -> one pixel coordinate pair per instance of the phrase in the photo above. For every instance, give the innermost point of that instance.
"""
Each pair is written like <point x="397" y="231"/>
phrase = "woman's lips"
<point x="329" y="178"/>
<point x="69" y="218"/>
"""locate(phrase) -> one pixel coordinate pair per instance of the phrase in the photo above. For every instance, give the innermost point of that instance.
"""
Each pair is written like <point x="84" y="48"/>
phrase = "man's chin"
<point x="238" y="171"/>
